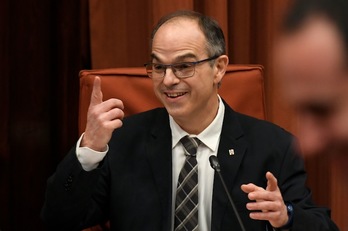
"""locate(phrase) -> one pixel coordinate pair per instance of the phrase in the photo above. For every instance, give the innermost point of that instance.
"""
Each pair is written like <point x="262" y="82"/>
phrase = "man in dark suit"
<point x="127" y="170"/>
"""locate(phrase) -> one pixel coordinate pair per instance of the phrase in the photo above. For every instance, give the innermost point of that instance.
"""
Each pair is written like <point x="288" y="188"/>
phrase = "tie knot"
<point x="190" y="145"/>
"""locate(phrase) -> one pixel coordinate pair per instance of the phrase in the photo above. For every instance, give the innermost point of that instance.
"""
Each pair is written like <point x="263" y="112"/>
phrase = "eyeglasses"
<point x="180" y="70"/>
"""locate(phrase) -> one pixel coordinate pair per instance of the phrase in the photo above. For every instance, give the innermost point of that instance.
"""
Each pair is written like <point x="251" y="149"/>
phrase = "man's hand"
<point x="102" y="119"/>
<point x="269" y="202"/>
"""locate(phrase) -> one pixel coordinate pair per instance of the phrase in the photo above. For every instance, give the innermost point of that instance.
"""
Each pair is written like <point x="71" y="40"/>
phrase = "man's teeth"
<point x="173" y="95"/>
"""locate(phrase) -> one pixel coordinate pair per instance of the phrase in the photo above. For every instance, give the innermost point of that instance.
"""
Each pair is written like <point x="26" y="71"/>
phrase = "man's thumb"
<point x="272" y="183"/>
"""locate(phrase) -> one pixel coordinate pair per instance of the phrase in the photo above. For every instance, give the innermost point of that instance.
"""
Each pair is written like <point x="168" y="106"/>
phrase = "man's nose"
<point x="169" y="77"/>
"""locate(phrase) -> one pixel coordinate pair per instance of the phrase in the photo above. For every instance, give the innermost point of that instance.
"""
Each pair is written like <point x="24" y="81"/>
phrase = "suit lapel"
<point x="159" y="152"/>
<point x="231" y="151"/>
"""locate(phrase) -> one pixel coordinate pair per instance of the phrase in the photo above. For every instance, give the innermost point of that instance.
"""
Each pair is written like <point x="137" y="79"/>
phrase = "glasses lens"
<point x="183" y="70"/>
<point x="157" y="70"/>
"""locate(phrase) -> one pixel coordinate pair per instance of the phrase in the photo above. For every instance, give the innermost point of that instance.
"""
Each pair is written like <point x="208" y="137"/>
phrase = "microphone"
<point x="214" y="163"/>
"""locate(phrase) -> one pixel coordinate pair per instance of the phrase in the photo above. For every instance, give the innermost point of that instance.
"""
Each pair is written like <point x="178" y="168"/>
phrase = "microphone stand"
<point x="216" y="166"/>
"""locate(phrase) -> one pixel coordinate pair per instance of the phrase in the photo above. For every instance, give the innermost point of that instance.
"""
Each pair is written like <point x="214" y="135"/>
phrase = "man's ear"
<point x="220" y="64"/>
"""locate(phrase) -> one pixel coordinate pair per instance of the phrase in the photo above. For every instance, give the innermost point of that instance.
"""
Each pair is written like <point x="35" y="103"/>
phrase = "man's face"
<point x="191" y="101"/>
<point x="312" y="67"/>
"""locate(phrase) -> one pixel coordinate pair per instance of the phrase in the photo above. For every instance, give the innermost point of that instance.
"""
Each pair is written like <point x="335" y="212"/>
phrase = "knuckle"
<point x="121" y="114"/>
<point x="117" y="102"/>
<point x="117" y="113"/>
<point x="104" y="124"/>
<point x="118" y="123"/>
<point x="93" y="111"/>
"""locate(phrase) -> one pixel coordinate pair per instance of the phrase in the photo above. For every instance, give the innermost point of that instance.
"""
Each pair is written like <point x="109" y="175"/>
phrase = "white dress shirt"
<point x="210" y="139"/>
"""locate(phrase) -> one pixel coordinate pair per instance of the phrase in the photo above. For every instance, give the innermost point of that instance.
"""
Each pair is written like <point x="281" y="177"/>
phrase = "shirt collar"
<point x="209" y="136"/>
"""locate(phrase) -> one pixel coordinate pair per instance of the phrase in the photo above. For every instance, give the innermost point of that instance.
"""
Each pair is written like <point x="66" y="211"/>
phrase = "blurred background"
<point x="44" y="45"/>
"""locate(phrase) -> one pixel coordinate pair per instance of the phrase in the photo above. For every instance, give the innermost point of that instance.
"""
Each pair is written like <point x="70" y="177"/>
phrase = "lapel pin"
<point x="231" y="152"/>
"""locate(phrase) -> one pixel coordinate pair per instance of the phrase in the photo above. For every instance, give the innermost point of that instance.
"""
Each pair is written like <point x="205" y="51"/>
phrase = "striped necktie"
<point x="186" y="203"/>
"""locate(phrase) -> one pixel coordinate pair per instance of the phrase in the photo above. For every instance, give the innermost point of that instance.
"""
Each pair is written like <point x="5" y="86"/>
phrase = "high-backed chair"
<point x="242" y="88"/>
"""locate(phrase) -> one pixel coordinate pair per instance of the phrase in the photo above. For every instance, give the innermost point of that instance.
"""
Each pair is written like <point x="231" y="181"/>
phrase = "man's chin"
<point x="175" y="112"/>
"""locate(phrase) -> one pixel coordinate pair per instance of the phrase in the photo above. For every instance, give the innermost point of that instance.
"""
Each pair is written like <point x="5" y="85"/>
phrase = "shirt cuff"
<point x="88" y="158"/>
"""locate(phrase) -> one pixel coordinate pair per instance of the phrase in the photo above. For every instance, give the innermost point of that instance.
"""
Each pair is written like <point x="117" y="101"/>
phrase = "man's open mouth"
<point x="175" y="95"/>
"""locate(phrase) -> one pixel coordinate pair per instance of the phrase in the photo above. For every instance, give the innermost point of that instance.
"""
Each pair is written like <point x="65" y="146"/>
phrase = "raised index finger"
<point x="97" y="94"/>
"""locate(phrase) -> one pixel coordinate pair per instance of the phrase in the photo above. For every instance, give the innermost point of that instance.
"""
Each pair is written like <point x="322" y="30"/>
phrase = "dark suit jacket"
<point x="133" y="185"/>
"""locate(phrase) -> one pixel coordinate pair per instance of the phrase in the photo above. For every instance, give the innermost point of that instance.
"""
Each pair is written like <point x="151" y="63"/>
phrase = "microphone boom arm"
<point x="216" y="166"/>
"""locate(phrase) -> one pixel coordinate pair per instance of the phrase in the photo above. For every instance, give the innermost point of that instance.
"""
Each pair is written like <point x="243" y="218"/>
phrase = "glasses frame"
<point x="172" y="66"/>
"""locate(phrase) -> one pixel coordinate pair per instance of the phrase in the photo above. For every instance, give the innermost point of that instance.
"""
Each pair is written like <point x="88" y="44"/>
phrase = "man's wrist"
<point x="290" y="211"/>
<point x="89" y="158"/>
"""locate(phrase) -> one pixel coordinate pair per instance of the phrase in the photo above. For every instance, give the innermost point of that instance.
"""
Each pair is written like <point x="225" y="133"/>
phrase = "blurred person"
<point x="312" y="62"/>
<point x="132" y="171"/>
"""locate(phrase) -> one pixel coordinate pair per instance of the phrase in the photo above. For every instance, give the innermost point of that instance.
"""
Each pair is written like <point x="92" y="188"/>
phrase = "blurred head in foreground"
<point x="312" y="63"/>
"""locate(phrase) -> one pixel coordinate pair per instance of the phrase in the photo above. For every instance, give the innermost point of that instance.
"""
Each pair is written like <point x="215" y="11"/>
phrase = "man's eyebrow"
<point x="179" y="58"/>
<point x="153" y="56"/>
<point x="185" y="56"/>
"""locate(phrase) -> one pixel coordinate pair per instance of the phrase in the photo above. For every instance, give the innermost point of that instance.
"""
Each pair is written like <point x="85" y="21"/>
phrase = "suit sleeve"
<point x="69" y="204"/>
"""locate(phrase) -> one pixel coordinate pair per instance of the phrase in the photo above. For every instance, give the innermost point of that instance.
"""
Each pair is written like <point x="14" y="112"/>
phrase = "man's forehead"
<point x="181" y="29"/>
<point x="178" y="39"/>
<point x="314" y="52"/>
<point x="316" y="38"/>
<point x="179" y="22"/>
